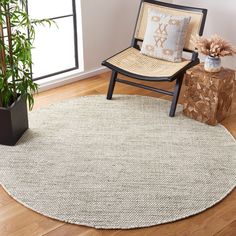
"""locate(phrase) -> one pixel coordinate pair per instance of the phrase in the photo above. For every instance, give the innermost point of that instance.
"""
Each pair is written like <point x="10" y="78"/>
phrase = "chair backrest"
<point x="196" y="25"/>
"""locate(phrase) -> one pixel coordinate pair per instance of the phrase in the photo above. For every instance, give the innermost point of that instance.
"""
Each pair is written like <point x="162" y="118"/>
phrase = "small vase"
<point x="212" y="64"/>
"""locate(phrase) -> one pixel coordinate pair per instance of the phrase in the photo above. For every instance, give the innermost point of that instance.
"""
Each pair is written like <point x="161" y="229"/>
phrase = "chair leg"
<point x="112" y="85"/>
<point x="176" y="96"/>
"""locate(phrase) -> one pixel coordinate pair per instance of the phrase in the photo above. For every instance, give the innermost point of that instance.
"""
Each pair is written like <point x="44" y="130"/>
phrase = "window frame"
<point x="75" y="38"/>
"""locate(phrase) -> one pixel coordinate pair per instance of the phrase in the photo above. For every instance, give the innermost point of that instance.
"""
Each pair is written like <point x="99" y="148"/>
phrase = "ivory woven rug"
<point x="118" y="164"/>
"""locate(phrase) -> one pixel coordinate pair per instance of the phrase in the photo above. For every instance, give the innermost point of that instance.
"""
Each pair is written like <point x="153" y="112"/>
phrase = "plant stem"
<point x="2" y="58"/>
<point x="9" y="35"/>
<point x="2" y="52"/>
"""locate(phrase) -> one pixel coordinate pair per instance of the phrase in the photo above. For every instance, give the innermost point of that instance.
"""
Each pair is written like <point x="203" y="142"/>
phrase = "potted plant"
<point x="17" y="34"/>
<point x="214" y="48"/>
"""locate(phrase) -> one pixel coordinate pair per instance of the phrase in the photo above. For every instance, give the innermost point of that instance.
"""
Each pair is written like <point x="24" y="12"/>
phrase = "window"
<point x="55" y="48"/>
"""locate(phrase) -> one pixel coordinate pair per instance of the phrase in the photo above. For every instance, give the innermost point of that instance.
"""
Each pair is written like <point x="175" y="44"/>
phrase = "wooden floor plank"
<point x="4" y="198"/>
<point x="17" y="220"/>
<point x="229" y="230"/>
<point x="37" y="227"/>
<point x="73" y="230"/>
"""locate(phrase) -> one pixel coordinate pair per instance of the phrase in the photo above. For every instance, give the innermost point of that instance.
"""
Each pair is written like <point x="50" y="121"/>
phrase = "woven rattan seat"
<point x="132" y="61"/>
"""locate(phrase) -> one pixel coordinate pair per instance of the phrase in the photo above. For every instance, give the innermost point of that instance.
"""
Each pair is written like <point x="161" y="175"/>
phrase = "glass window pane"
<point x="39" y="9"/>
<point x="54" y="48"/>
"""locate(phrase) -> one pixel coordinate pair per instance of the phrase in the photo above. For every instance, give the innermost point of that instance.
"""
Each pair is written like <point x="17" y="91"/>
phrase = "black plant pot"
<point x="13" y="122"/>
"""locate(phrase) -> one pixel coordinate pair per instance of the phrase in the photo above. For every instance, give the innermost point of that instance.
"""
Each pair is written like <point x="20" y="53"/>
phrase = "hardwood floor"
<point x="17" y="220"/>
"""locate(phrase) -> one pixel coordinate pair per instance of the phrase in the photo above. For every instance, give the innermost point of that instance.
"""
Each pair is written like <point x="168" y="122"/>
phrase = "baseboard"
<point x="58" y="81"/>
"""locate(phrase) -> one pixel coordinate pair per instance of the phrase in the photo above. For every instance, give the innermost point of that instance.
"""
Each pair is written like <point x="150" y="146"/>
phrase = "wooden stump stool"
<point x="208" y="97"/>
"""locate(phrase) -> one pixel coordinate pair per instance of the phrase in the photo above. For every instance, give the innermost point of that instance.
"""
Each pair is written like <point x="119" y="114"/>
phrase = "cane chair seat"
<point x="132" y="61"/>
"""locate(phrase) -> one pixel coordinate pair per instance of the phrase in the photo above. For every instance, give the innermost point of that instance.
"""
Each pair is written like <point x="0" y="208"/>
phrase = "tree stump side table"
<point x="208" y="97"/>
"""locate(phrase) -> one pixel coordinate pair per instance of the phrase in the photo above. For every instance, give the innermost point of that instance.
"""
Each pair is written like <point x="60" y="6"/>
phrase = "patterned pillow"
<point x="165" y="36"/>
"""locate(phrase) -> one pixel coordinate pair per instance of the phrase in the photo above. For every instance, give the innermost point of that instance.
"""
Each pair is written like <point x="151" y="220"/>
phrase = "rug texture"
<point x="118" y="164"/>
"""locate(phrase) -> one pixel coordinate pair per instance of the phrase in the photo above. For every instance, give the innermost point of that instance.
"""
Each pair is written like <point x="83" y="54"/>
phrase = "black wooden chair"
<point x="132" y="63"/>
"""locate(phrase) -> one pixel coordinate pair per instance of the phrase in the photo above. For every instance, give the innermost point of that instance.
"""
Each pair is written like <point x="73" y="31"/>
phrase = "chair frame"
<point x="177" y="76"/>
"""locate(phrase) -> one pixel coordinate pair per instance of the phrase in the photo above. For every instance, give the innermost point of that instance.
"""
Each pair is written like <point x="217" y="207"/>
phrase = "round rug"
<point x="118" y="164"/>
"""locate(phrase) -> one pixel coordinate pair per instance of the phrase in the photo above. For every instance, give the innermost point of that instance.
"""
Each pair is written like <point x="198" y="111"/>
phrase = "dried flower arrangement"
<point x="215" y="46"/>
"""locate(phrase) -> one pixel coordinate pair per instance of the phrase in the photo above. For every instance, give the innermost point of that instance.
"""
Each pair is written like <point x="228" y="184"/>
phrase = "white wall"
<point x="107" y="28"/>
<point x="220" y="20"/>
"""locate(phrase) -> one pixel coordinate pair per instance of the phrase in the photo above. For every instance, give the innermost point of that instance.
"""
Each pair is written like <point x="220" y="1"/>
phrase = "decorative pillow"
<point x="165" y="36"/>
